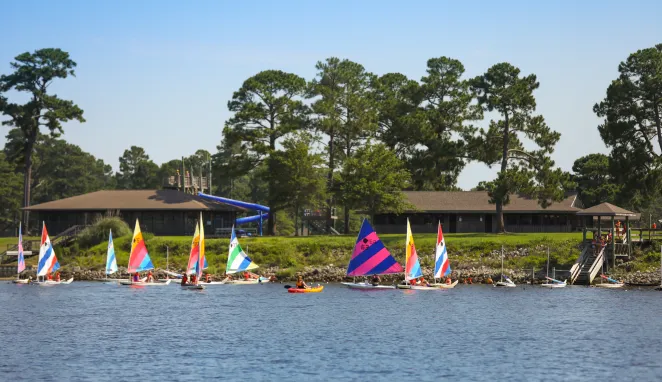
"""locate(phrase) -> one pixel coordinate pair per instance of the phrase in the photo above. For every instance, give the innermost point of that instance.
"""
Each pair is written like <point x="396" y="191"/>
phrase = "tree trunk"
<point x="329" y="182"/>
<point x="296" y="221"/>
<point x="504" y="166"/>
<point x="346" y="219"/>
<point x="271" y="228"/>
<point x="348" y="152"/>
<point x="27" y="181"/>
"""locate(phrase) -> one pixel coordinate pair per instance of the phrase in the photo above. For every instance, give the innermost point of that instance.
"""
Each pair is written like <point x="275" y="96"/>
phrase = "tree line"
<point x="350" y="140"/>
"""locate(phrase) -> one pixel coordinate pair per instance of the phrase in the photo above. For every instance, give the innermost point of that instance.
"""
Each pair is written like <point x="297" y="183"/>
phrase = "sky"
<point x="159" y="74"/>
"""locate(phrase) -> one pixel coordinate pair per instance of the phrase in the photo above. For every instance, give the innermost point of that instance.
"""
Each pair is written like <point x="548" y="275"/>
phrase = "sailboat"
<point x="238" y="261"/>
<point x="196" y="259"/>
<point x="412" y="265"/>
<point x="139" y="260"/>
<point x="370" y="257"/>
<point x="20" y="260"/>
<point x="111" y="260"/>
<point x="505" y="281"/>
<point x="552" y="283"/>
<point x="48" y="260"/>
<point x="442" y="266"/>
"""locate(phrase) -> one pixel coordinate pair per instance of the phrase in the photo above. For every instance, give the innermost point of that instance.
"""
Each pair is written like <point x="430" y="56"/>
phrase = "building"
<point x="471" y="211"/>
<point x="161" y="212"/>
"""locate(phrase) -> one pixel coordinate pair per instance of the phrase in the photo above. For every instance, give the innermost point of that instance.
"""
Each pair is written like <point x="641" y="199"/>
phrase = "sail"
<point x="47" y="260"/>
<point x="111" y="261"/>
<point x="412" y="266"/>
<point x="370" y="256"/>
<point x="139" y="258"/>
<point x="237" y="259"/>
<point x="21" y="258"/>
<point x="195" y="252"/>
<point x="202" y="260"/>
<point x="442" y="266"/>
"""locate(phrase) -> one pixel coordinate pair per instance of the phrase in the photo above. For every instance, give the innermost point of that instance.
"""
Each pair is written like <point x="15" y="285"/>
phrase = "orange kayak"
<point x="316" y="289"/>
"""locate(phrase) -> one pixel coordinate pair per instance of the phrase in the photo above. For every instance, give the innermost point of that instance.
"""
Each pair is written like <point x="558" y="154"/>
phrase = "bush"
<point x="98" y="232"/>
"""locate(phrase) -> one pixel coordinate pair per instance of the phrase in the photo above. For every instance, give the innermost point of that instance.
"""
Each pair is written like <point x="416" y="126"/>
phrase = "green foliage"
<point x="530" y="172"/>
<point x="137" y="171"/>
<point x="594" y="180"/>
<point x="10" y="195"/>
<point x="33" y="74"/>
<point x="267" y="107"/>
<point x="99" y="230"/>
<point x="372" y="180"/>
<point x="632" y="126"/>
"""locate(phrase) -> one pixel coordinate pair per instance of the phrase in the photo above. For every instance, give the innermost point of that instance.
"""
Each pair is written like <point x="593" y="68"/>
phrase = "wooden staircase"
<point x="63" y="238"/>
<point x="587" y="266"/>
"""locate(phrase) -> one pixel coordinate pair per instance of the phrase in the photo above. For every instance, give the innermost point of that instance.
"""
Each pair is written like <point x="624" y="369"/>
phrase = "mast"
<point x="502" y="263"/>
<point x="547" y="261"/>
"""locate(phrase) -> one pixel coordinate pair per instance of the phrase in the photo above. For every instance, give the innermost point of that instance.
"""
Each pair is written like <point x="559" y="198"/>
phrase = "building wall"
<point x="160" y="223"/>
<point x="477" y="222"/>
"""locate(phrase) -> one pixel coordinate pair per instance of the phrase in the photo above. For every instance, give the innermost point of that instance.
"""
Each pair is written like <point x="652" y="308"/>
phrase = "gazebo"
<point x="614" y="213"/>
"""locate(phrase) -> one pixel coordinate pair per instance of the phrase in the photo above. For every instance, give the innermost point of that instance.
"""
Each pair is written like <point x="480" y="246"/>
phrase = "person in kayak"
<point x="184" y="279"/>
<point x="301" y="284"/>
<point x="375" y="280"/>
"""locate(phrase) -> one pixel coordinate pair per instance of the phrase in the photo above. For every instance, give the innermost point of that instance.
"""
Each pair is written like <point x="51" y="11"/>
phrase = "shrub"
<point x="98" y="232"/>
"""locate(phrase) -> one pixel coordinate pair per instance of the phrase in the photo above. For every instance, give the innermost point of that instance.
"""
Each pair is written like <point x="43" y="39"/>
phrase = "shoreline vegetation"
<point x="325" y="258"/>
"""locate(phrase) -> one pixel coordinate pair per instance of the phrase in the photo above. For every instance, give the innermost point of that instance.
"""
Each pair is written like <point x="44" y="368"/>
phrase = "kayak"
<point x="316" y="289"/>
<point x="367" y="286"/>
<point x="143" y="283"/>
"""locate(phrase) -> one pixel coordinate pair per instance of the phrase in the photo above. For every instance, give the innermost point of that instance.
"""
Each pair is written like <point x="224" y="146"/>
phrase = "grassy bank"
<point x="294" y="253"/>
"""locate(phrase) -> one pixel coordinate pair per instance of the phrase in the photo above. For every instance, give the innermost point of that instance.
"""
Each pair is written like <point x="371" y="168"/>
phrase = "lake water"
<point x="97" y="332"/>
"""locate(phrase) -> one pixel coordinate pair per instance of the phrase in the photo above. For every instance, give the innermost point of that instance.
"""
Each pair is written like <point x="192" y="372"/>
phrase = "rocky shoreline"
<point x="332" y="273"/>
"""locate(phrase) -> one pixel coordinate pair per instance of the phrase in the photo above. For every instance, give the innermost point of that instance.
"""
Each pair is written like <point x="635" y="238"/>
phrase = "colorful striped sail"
<point x="442" y="266"/>
<point x="237" y="259"/>
<point x="202" y="260"/>
<point x="195" y="252"/>
<point x="111" y="261"/>
<point x="21" y="257"/>
<point x="370" y="256"/>
<point x="412" y="266"/>
<point x="139" y="260"/>
<point x="47" y="260"/>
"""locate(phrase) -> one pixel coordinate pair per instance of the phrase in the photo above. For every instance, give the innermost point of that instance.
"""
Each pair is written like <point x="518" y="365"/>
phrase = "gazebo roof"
<point x="606" y="209"/>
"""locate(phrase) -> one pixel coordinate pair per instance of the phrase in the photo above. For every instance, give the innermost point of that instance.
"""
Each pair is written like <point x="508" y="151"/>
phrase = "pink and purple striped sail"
<point x="370" y="256"/>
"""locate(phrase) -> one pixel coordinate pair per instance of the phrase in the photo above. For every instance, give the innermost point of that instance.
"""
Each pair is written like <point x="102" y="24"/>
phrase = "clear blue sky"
<point x="158" y="74"/>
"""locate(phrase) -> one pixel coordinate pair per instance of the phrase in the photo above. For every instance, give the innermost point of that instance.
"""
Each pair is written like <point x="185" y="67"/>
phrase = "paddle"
<point x="287" y="286"/>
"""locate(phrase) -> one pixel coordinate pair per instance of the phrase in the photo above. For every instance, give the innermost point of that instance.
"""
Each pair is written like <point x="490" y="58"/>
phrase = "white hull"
<point x="505" y="284"/>
<point x="446" y="286"/>
<point x="367" y="286"/>
<point x="554" y="285"/>
<point x="247" y="282"/>
<point x="609" y="285"/>
<point x="52" y="282"/>
<point x="143" y="283"/>
<point x="418" y="287"/>
<point x="21" y="281"/>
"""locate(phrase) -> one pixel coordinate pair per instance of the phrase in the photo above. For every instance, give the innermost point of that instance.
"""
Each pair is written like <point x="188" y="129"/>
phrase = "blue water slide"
<point x="238" y="203"/>
<point x="250" y="219"/>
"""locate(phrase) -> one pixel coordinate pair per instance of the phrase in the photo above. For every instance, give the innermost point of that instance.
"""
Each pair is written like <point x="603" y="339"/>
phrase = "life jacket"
<point x="208" y="278"/>
<point x="300" y="284"/>
<point x="448" y="280"/>
<point x="57" y="277"/>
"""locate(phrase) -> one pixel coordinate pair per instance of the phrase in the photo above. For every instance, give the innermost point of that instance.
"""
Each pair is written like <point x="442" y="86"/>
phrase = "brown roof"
<point x="606" y="209"/>
<point x="133" y="200"/>
<point x="478" y="201"/>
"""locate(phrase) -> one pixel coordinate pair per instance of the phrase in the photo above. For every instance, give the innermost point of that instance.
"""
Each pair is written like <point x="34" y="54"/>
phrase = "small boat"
<point x="48" y="261"/>
<point x="370" y="257"/>
<point x="413" y="266"/>
<point x="505" y="281"/>
<point x="139" y="260"/>
<point x="111" y="260"/>
<point x="315" y="289"/>
<point x="553" y="283"/>
<point x="418" y="287"/>
<point x="196" y="260"/>
<point x="238" y="261"/>
<point x="145" y="283"/>
<point x="20" y="267"/>
<point x="611" y="283"/>
<point x="442" y="266"/>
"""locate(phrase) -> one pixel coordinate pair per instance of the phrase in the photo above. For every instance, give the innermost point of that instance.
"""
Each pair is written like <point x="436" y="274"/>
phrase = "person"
<point x="50" y="277"/>
<point x="194" y="279"/>
<point x="57" y="277"/>
<point x="375" y="280"/>
<point x="422" y="281"/>
<point x="654" y="225"/>
<point x="208" y="278"/>
<point x="246" y="275"/>
<point x="412" y="282"/>
<point x="136" y="277"/>
<point x="301" y="284"/>
<point x="184" y="279"/>
<point x="448" y="281"/>
<point x="150" y="277"/>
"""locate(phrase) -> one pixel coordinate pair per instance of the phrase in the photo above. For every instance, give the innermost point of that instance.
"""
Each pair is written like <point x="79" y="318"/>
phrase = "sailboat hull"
<point x="505" y="284"/>
<point x="609" y="286"/>
<point x="21" y="281"/>
<point x="52" y="282"/>
<point x="446" y="286"/>
<point x="261" y="280"/>
<point x="367" y="286"/>
<point x="418" y="287"/>
<point x="193" y="287"/>
<point x="143" y="283"/>
<point x="554" y="285"/>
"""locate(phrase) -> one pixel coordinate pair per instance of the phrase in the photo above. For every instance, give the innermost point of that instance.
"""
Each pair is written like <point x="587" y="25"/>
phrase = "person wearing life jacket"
<point x="375" y="280"/>
<point x="136" y="277"/>
<point x="57" y="277"/>
<point x="448" y="281"/>
<point x="184" y="279"/>
<point x="150" y="277"/>
<point x="247" y="275"/>
<point x="208" y="278"/>
<point x="412" y="282"/>
<point x="470" y="281"/>
<point x="301" y="284"/>
<point x="194" y="279"/>
<point x="50" y="277"/>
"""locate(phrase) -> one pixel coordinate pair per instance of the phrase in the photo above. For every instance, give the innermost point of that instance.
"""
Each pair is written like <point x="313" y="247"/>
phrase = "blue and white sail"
<point x="238" y="260"/>
<point x="21" y="258"/>
<point x="111" y="261"/>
